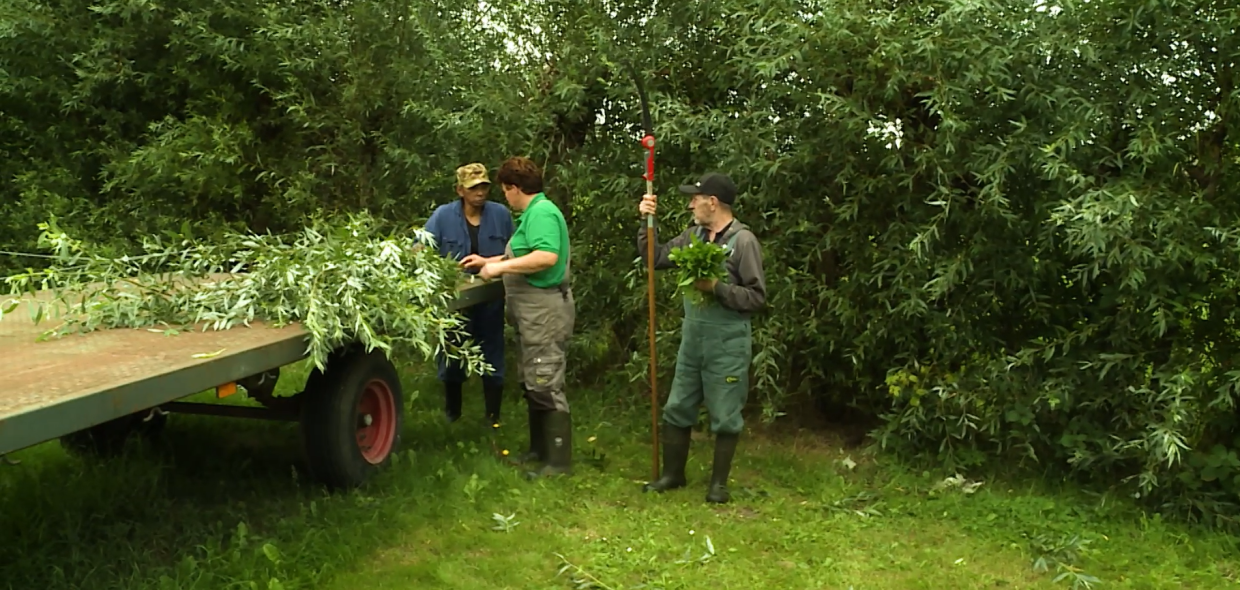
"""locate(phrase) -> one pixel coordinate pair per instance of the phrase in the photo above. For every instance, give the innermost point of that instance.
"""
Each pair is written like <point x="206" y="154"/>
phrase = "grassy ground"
<point x="220" y="504"/>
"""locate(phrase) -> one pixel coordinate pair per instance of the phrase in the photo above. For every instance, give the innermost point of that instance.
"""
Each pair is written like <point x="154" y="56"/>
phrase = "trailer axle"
<point x="230" y="411"/>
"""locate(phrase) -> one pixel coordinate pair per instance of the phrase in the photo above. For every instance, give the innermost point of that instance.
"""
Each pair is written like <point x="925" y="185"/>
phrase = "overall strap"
<point x="732" y="242"/>
<point x="566" y="283"/>
<point x="704" y="234"/>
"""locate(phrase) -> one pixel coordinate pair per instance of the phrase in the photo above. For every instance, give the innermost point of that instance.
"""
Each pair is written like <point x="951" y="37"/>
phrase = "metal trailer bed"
<point x="92" y="391"/>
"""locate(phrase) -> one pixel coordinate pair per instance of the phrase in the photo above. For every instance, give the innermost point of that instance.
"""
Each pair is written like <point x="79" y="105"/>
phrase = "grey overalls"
<point x="544" y="320"/>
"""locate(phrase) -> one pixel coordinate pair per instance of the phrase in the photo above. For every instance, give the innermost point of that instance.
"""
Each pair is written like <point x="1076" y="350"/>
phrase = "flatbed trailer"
<point x="93" y="391"/>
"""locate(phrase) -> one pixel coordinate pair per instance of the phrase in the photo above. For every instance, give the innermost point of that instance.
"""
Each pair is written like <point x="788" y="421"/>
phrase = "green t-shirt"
<point x="542" y="227"/>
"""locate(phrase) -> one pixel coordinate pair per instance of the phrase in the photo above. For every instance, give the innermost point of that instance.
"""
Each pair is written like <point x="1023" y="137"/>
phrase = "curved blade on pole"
<point x="648" y="143"/>
<point x="648" y="139"/>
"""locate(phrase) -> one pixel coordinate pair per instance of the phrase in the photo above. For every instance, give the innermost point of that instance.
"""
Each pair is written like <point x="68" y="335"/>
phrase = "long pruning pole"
<point x="648" y="143"/>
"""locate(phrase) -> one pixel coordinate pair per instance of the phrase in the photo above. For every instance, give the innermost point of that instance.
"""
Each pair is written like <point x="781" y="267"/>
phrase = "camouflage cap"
<point x="471" y="175"/>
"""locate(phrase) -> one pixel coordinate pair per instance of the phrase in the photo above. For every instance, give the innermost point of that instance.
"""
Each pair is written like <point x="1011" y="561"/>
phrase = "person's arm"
<point x="475" y="261"/>
<point x="661" y="250"/>
<point x="749" y="293"/>
<point x="531" y="263"/>
<point x="545" y="234"/>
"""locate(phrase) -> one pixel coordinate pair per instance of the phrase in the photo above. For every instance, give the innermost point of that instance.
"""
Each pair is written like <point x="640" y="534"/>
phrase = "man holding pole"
<point x="712" y="366"/>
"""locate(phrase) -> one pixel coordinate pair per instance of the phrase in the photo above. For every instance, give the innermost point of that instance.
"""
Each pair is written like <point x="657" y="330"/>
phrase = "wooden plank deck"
<point x="38" y="374"/>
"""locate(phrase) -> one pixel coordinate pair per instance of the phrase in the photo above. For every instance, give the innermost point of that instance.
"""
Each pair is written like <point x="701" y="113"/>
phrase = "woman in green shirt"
<point x="539" y="302"/>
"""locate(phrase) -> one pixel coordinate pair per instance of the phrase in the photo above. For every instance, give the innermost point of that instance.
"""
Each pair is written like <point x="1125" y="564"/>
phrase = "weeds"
<point x="1062" y="556"/>
<point x="580" y="578"/>
<point x="504" y="524"/>
<point x="705" y="557"/>
<point x="473" y="488"/>
<point x="864" y="504"/>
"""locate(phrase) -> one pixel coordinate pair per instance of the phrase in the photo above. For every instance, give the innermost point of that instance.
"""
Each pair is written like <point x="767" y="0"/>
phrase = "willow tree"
<point x="1009" y="229"/>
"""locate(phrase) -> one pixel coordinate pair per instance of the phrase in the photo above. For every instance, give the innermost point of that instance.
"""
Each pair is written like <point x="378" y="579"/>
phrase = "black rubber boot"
<point x="452" y="401"/>
<point x="559" y="440"/>
<point x="493" y="398"/>
<point x="725" y="449"/>
<point x="538" y="439"/>
<point x="675" y="441"/>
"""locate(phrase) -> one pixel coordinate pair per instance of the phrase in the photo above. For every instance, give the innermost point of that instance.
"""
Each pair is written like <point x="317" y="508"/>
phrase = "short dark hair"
<point x="523" y="173"/>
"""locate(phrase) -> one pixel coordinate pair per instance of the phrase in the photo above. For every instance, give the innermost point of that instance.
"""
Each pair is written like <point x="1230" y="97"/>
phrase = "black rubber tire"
<point x="329" y="417"/>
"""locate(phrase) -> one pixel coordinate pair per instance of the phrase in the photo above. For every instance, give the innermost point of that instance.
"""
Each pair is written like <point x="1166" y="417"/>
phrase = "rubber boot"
<point x="538" y="439"/>
<point x="675" y="442"/>
<point x="493" y="397"/>
<point x="725" y="449"/>
<point x="559" y="441"/>
<point x="538" y="420"/>
<point x="452" y="401"/>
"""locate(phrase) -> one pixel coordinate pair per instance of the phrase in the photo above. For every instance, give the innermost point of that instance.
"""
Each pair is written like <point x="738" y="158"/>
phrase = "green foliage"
<point x="697" y="261"/>
<point x="130" y="117"/>
<point x="1032" y="207"/>
<point x="1063" y="556"/>
<point x="343" y="282"/>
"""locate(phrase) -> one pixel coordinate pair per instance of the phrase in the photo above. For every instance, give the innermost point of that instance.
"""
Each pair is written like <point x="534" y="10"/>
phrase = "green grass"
<point x="219" y="503"/>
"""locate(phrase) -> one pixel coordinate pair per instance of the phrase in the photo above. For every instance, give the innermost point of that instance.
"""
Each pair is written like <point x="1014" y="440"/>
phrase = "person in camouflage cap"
<point x="474" y="227"/>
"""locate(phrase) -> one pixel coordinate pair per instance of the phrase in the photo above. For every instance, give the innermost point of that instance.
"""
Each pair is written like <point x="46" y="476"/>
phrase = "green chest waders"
<point x="712" y="368"/>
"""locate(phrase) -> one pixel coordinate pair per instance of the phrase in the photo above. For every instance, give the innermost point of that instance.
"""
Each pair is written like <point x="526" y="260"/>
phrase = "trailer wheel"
<point x="351" y="418"/>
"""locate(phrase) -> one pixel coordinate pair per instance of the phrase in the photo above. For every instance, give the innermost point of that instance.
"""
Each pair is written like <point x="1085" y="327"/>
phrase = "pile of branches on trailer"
<point x="343" y="280"/>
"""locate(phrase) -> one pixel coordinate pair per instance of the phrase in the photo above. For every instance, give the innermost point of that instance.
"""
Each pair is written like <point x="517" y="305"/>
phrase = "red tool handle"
<point x="648" y="143"/>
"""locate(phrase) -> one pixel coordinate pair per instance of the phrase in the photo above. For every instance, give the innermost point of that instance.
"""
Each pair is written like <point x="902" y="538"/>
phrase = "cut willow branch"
<point x="342" y="280"/>
<point x="698" y="260"/>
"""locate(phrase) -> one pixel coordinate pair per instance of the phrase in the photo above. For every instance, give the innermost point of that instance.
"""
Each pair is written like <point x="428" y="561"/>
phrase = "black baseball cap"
<point x="713" y="183"/>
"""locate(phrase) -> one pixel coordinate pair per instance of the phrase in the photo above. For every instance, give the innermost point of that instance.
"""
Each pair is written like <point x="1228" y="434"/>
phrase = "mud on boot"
<point x="725" y="450"/>
<point x="675" y="442"/>
<point x="558" y="434"/>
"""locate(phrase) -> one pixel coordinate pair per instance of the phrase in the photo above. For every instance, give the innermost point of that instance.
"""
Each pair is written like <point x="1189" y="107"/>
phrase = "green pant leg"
<point x="725" y="378"/>
<point x="682" y="405"/>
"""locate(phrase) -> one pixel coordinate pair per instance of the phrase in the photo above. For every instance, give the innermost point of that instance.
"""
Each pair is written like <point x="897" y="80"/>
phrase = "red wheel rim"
<point x="376" y="422"/>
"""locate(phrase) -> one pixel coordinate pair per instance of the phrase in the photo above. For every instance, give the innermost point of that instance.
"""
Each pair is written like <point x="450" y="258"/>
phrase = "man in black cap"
<point x="716" y="345"/>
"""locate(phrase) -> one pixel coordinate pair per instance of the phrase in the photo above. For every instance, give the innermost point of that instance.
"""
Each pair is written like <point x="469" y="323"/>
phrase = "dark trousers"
<point x="486" y="327"/>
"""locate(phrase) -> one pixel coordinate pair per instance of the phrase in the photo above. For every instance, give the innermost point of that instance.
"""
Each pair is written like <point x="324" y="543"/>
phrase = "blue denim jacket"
<point x="448" y="226"/>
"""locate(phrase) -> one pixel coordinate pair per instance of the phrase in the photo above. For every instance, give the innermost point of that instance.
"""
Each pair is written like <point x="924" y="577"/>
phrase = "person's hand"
<point x="473" y="261"/>
<point x="489" y="271"/>
<point x="706" y="285"/>
<point x="648" y="204"/>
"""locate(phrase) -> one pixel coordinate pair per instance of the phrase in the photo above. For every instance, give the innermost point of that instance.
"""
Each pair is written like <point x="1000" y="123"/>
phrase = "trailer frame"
<point x="95" y="390"/>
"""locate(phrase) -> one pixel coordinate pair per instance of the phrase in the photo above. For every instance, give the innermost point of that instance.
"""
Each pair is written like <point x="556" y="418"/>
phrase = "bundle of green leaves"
<point x="343" y="280"/>
<point x="698" y="260"/>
